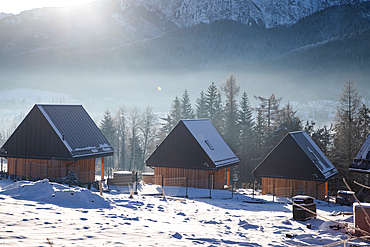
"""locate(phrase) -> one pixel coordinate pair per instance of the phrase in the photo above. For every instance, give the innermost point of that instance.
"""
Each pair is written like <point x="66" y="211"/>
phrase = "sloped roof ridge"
<point x="53" y="125"/>
<point x="224" y="161"/>
<point x="326" y="171"/>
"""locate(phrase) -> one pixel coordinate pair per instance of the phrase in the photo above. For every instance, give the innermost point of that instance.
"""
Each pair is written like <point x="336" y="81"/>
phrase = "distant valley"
<point x="124" y="50"/>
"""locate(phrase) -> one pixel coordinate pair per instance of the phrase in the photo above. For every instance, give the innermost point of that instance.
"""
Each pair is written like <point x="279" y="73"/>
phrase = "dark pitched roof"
<point x="362" y="161"/>
<point x="193" y="144"/>
<point x="64" y="132"/>
<point x="296" y="157"/>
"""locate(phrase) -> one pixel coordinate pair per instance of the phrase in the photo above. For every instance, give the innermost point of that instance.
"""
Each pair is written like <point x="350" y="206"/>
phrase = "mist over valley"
<point x="137" y="54"/>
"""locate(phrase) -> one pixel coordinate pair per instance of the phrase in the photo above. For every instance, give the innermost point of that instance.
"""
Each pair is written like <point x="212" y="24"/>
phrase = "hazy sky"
<point x="16" y="6"/>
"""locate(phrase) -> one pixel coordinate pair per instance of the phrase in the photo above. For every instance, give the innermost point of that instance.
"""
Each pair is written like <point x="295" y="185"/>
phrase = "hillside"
<point x="120" y="44"/>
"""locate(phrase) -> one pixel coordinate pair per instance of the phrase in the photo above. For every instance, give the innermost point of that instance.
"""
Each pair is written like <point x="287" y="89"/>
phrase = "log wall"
<point x="34" y="168"/>
<point x="292" y="187"/>
<point x="196" y="178"/>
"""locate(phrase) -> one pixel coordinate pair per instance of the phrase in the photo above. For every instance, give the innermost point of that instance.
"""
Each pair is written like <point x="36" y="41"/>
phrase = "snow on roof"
<point x="314" y="153"/>
<point x="211" y="142"/>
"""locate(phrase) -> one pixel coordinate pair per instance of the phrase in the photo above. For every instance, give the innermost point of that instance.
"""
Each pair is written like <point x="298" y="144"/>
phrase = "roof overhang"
<point x="74" y="158"/>
<point x="360" y="165"/>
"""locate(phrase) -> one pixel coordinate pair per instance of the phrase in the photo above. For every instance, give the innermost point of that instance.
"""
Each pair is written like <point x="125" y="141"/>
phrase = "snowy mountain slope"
<point x="111" y="23"/>
<point x="266" y="13"/>
<point x="120" y="39"/>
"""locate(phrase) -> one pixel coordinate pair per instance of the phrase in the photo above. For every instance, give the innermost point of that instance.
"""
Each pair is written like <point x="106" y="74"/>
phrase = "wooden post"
<point x="228" y="177"/>
<point x="102" y="168"/>
<point x="100" y="188"/>
<point x="186" y="188"/>
<point x="162" y="185"/>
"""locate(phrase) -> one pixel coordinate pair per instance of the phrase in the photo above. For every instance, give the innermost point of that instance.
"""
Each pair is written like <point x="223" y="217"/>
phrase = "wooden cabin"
<point x="362" y="161"/>
<point x="53" y="140"/>
<point x="196" y="151"/>
<point x="295" y="166"/>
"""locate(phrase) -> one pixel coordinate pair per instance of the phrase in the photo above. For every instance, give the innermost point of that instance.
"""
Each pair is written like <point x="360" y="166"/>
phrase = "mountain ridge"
<point x="105" y="38"/>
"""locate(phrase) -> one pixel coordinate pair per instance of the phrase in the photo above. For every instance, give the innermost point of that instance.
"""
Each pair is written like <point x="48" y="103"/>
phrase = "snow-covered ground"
<point x="49" y="214"/>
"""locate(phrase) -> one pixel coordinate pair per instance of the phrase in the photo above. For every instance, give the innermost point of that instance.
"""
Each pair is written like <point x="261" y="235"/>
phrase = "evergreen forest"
<point x="251" y="132"/>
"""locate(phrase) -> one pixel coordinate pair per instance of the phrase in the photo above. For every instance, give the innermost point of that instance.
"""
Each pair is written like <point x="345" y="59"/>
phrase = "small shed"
<point x="54" y="139"/>
<point x="295" y="166"/>
<point x="362" y="161"/>
<point x="195" y="150"/>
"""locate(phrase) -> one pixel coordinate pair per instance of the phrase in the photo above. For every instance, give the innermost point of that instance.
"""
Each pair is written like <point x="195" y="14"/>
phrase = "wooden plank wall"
<point x="289" y="187"/>
<point x="196" y="178"/>
<point x="85" y="169"/>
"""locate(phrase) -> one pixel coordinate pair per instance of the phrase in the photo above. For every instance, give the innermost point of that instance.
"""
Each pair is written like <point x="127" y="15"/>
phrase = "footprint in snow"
<point x="246" y="225"/>
<point x="177" y="235"/>
<point x="181" y="214"/>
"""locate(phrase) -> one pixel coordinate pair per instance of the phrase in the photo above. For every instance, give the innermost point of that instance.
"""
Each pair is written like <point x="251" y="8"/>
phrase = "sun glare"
<point x="17" y="6"/>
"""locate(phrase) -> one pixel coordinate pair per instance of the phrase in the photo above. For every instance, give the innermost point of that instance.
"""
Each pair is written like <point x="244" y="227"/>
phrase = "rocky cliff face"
<point x="265" y="13"/>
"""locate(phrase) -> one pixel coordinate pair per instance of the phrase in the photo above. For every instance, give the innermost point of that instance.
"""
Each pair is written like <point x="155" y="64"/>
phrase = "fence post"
<point x="186" y="194"/>
<point x="292" y="191"/>
<point x="78" y="173"/>
<point x="46" y="170"/>
<point x="273" y="192"/>
<point x="136" y="182"/>
<point x="210" y="185"/>
<point x="162" y="186"/>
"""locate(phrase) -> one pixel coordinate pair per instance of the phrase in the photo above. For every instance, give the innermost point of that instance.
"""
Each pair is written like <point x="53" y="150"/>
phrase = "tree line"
<point x="250" y="132"/>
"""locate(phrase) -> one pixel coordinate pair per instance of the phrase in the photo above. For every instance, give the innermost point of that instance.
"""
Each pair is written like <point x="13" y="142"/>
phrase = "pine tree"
<point x="270" y="107"/>
<point x="231" y="91"/>
<point x="172" y="118"/>
<point x="186" y="108"/>
<point x="108" y="129"/>
<point x="245" y="145"/>
<point x="363" y="123"/>
<point x="346" y="143"/>
<point x="211" y="98"/>
<point x="214" y="107"/>
<point x="201" y="106"/>
<point x="218" y="118"/>
<point x="260" y="137"/>
<point x="323" y="137"/>
<point x="285" y="121"/>
<point x="245" y="125"/>
<point x="175" y="112"/>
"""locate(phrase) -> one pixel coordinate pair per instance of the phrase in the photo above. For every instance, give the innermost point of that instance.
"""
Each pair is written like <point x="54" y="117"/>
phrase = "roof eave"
<point x="359" y="170"/>
<point x="92" y="155"/>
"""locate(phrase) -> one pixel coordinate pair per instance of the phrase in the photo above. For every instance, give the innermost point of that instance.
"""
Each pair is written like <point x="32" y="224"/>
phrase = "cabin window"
<point x="209" y="144"/>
